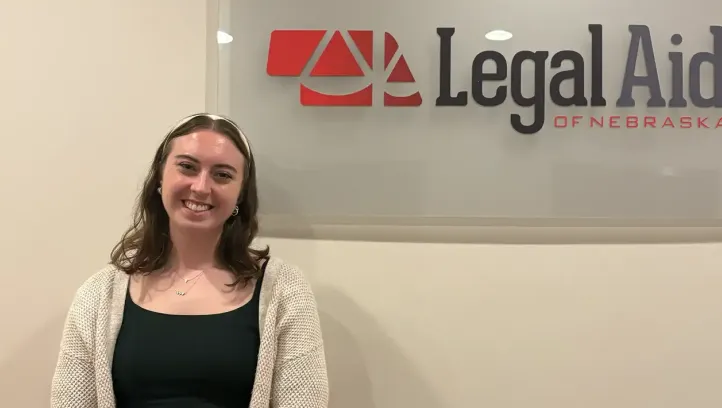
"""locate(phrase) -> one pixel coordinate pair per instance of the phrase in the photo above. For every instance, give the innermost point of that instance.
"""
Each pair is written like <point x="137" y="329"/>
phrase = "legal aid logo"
<point x="290" y="51"/>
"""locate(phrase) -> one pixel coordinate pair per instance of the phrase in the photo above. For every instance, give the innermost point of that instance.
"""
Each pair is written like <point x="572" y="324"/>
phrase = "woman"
<point x="188" y="314"/>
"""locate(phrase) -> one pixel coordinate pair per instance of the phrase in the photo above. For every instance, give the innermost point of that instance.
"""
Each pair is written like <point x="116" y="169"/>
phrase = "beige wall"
<point x="87" y="90"/>
<point x="87" y="94"/>
<point x="513" y="326"/>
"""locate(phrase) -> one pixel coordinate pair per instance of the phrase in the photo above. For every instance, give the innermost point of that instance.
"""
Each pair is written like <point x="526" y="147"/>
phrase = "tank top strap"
<point x="259" y="282"/>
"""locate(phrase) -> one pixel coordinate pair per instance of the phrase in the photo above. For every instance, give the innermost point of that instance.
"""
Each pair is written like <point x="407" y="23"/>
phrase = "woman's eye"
<point x="225" y="175"/>
<point x="185" y="166"/>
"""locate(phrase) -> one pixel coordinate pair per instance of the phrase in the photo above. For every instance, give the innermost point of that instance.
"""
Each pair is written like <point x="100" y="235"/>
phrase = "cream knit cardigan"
<point x="291" y="371"/>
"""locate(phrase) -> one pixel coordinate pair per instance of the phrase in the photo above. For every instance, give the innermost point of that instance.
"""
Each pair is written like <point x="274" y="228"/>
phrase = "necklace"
<point x="186" y="280"/>
<point x="195" y="277"/>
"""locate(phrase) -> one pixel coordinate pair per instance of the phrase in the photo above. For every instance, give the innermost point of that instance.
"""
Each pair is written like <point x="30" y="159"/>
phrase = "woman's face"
<point x="202" y="179"/>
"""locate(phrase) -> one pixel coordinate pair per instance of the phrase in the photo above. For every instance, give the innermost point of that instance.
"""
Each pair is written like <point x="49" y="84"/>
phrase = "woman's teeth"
<point x="197" y="207"/>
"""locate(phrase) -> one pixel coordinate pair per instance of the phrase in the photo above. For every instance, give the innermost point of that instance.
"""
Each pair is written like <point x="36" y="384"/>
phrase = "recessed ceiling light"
<point x="498" y="35"/>
<point x="223" y="37"/>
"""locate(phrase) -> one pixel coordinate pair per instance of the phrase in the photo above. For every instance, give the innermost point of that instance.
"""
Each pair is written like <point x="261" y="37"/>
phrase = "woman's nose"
<point x="201" y="184"/>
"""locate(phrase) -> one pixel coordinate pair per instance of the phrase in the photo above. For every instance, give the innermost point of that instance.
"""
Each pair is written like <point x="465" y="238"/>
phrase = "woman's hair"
<point x="146" y="246"/>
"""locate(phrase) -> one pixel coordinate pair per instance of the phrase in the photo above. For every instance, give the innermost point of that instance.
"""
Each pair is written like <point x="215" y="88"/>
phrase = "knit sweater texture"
<point x="291" y="371"/>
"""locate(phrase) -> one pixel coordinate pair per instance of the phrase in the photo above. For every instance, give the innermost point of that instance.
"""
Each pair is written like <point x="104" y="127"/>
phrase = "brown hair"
<point x="146" y="246"/>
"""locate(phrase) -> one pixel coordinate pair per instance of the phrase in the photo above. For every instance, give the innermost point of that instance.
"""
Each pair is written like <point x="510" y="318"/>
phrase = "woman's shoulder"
<point x="97" y="288"/>
<point x="285" y="285"/>
<point x="284" y="275"/>
<point x="92" y="298"/>
<point x="295" y="305"/>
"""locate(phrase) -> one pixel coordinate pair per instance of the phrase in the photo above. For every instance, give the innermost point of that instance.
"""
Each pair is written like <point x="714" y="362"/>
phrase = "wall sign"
<point x="290" y="51"/>
<point x="358" y="117"/>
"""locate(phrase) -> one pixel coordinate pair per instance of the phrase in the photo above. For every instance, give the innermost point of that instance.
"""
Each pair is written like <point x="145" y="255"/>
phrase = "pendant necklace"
<point x="186" y="280"/>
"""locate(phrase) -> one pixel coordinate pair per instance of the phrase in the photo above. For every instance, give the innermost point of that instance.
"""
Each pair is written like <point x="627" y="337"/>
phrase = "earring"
<point x="235" y="212"/>
<point x="159" y="190"/>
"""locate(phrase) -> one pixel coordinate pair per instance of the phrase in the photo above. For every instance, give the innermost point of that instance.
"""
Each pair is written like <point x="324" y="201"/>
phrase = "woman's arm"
<point x="73" y="384"/>
<point x="300" y="379"/>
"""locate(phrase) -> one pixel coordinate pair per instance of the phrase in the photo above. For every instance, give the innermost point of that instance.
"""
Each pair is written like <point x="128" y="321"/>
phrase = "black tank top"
<point x="204" y="361"/>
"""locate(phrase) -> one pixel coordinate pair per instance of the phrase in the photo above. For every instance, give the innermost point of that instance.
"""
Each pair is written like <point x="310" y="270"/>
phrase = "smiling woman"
<point x="188" y="313"/>
<point x="201" y="184"/>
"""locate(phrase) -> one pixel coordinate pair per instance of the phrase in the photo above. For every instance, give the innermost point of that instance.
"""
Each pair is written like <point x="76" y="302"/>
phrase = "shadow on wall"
<point x="367" y="369"/>
<point x="26" y="374"/>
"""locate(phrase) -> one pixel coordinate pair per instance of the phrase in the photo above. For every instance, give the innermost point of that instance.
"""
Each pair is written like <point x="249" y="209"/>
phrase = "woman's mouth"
<point x="195" y="206"/>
